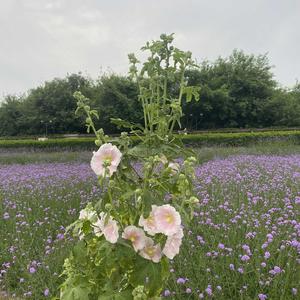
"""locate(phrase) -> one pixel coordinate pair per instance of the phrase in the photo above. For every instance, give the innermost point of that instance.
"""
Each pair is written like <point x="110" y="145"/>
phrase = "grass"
<point x="26" y="156"/>
<point x="194" y="139"/>
<point x="44" y="194"/>
<point x="18" y="156"/>
<point x="274" y="148"/>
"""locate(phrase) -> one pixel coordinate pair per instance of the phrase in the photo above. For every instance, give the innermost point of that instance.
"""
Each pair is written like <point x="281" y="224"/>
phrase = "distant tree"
<point x="55" y="105"/>
<point x="10" y="111"/>
<point x="234" y="91"/>
<point x="116" y="97"/>
<point x="49" y="107"/>
<point x="284" y="108"/>
<point x="237" y="91"/>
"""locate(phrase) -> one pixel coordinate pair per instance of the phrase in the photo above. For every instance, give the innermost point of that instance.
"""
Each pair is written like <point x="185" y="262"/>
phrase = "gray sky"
<point x="43" y="39"/>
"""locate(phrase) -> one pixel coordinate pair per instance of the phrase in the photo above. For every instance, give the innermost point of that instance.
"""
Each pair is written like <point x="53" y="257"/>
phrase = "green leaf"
<point x="122" y="123"/>
<point x="79" y="251"/>
<point x="125" y="295"/>
<point x="75" y="293"/>
<point x="191" y="91"/>
<point x="148" y="274"/>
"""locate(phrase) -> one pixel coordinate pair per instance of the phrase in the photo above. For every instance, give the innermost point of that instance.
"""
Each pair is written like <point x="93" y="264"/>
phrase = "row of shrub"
<point x="200" y="139"/>
<point x="239" y="91"/>
<point x="241" y="138"/>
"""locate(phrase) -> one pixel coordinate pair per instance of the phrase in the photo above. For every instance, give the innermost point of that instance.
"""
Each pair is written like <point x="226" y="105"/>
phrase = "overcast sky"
<point x="43" y="39"/>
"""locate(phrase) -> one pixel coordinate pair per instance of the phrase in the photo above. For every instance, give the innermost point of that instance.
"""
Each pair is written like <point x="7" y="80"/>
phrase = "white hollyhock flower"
<point x="136" y="236"/>
<point x="107" y="157"/>
<point x="166" y="219"/>
<point x="109" y="228"/>
<point x="151" y="251"/>
<point x="173" y="244"/>
<point x="149" y="223"/>
<point x="174" y="167"/>
<point x="88" y="214"/>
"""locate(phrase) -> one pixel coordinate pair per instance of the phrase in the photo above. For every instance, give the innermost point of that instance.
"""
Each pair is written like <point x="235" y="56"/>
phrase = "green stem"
<point x="179" y="100"/>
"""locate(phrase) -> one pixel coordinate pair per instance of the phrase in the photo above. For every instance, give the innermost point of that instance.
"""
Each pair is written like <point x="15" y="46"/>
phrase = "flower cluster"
<point x="163" y="219"/>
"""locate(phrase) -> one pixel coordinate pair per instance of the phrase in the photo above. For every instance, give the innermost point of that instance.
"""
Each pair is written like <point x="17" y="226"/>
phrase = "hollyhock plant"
<point x="126" y="238"/>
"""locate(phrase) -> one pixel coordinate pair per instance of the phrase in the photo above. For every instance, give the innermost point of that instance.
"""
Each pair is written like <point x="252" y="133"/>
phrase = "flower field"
<point x="243" y="242"/>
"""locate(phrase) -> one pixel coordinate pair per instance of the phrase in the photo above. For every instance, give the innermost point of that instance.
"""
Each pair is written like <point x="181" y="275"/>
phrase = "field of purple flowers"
<point x="243" y="243"/>
<point x="37" y="202"/>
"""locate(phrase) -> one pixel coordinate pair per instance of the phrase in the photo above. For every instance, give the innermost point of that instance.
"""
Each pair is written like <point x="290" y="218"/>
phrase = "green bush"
<point x="84" y="143"/>
<point x="200" y="139"/>
<point x="241" y="138"/>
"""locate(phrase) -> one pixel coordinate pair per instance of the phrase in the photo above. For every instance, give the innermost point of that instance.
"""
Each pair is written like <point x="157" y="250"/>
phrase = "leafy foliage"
<point x="236" y="92"/>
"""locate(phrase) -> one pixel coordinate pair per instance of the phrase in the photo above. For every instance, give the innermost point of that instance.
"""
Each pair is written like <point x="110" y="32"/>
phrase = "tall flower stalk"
<point x="126" y="238"/>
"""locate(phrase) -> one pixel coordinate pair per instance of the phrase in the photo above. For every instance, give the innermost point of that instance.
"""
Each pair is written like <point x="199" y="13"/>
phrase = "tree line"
<point x="238" y="91"/>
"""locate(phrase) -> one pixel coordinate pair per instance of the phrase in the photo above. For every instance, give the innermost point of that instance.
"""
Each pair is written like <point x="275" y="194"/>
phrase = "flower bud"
<point x="182" y="177"/>
<point x="98" y="143"/>
<point x="193" y="200"/>
<point x="138" y="293"/>
<point x="108" y="206"/>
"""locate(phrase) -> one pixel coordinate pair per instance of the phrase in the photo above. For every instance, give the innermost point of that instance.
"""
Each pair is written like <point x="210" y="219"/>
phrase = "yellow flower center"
<point x="107" y="160"/>
<point x="150" y="251"/>
<point x="132" y="238"/>
<point x="169" y="218"/>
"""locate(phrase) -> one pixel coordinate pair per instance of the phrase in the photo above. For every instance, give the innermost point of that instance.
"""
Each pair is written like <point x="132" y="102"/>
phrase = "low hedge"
<point x="200" y="139"/>
<point x="85" y="143"/>
<point x="241" y="138"/>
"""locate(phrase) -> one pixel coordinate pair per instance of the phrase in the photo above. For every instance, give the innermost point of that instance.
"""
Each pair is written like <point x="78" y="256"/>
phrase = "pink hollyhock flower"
<point x="167" y="220"/>
<point x="173" y="244"/>
<point x="151" y="251"/>
<point x="108" y="156"/>
<point x="108" y="227"/>
<point x="136" y="236"/>
<point x="149" y="224"/>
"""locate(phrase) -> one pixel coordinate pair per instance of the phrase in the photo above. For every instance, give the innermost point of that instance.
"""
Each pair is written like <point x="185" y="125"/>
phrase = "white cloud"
<point x="42" y="39"/>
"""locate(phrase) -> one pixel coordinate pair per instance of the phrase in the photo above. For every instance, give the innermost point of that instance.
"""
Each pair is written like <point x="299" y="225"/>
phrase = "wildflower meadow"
<point x="147" y="218"/>
<point x="243" y="242"/>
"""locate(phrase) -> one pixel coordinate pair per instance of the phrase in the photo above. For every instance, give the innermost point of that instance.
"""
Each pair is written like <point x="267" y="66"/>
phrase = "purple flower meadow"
<point x="249" y="218"/>
<point x="244" y="238"/>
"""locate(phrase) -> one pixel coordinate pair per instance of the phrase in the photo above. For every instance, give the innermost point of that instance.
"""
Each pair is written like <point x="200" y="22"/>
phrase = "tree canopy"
<point x="235" y="92"/>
